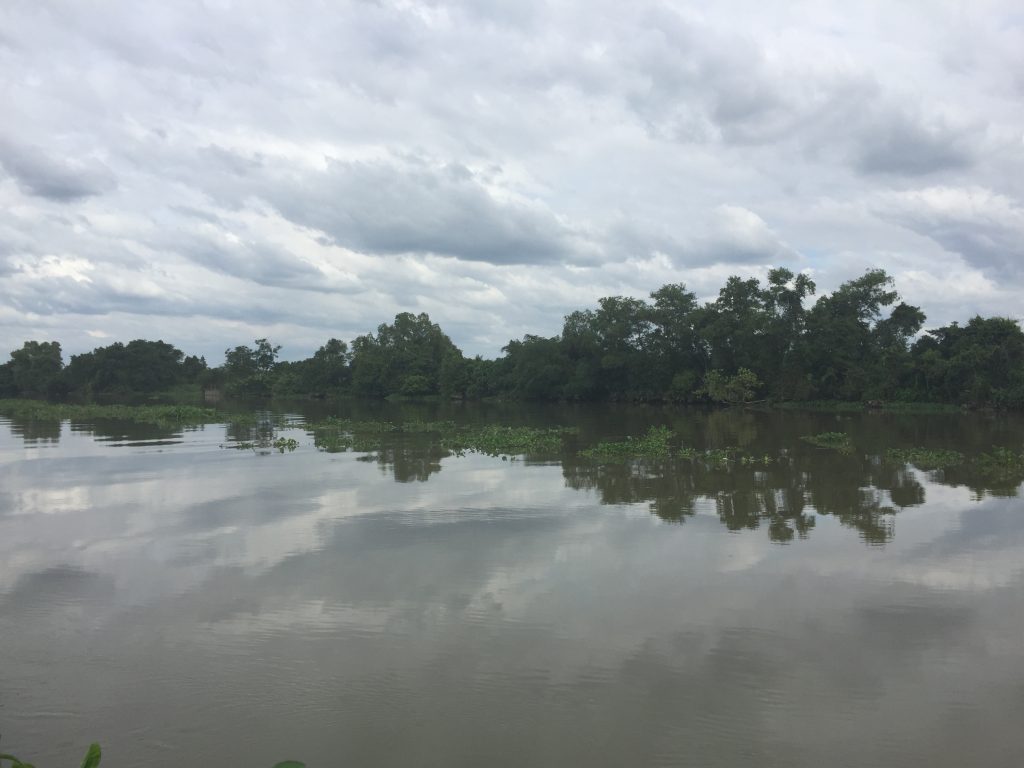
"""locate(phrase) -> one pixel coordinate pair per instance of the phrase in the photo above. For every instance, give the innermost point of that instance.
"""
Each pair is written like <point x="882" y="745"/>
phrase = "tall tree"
<point x="35" y="368"/>
<point x="840" y="345"/>
<point x="404" y="357"/>
<point x="248" y="371"/>
<point x="677" y="357"/>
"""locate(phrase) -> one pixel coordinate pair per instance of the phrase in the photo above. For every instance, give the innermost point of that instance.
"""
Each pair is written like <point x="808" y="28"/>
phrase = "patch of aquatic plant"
<point x="658" y="444"/>
<point x="925" y="458"/>
<point x="839" y="441"/>
<point x="654" y="445"/>
<point x="280" y="444"/>
<point x="182" y="415"/>
<point x="332" y="442"/>
<point x="494" y="440"/>
<point x="719" y="458"/>
<point x="1000" y="464"/>
<point x="332" y="423"/>
<point x="335" y="435"/>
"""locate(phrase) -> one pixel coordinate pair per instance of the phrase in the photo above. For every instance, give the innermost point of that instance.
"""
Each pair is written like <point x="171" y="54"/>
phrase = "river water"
<point x="183" y="602"/>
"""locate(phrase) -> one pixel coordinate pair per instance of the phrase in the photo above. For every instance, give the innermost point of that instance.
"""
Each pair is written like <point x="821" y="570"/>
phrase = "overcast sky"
<point x="208" y="174"/>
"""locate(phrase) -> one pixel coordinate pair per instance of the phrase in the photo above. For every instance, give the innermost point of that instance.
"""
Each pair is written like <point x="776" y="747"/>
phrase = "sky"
<point x="209" y="173"/>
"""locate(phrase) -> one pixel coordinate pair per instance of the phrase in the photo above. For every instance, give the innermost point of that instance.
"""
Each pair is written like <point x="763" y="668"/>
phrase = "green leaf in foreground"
<point x="92" y="757"/>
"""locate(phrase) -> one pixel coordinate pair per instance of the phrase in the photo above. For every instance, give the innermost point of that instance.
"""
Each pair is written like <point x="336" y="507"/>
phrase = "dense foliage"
<point x="756" y="341"/>
<point x="138" y="367"/>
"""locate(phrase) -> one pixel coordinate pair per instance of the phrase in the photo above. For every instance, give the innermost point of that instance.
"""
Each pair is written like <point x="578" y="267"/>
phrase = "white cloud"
<point x="212" y="177"/>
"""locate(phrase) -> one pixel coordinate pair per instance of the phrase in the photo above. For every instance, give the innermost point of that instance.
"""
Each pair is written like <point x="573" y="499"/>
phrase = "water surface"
<point x="170" y="596"/>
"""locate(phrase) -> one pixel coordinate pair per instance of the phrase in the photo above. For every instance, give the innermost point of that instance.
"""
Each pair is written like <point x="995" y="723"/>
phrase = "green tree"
<point x="328" y="370"/>
<point x="677" y="355"/>
<point x="731" y="390"/>
<point x="535" y="368"/>
<point x="785" y="318"/>
<point x="732" y="326"/>
<point x="136" y="367"/>
<point x="405" y="357"/>
<point x="981" y="363"/>
<point x="840" y="345"/>
<point x="35" y="369"/>
<point x="248" y="372"/>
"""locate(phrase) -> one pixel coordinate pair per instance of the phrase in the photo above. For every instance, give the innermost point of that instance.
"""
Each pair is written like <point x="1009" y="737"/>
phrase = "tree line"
<point x="755" y="341"/>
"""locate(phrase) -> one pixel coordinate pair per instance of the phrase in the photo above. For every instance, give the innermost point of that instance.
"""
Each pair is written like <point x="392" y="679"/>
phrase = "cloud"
<point x="379" y="207"/>
<point x="261" y="262"/>
<point x="731" y="234"/>
<point x="985" y="228"/>
<point x="741" y="236"/>
<point x="896" y="143"/>
<point x="60" y="180"/>
<point x="230" y="177"/>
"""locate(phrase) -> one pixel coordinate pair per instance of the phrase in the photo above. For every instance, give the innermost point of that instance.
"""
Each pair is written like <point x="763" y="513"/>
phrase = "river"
<point x="184" y="601"/>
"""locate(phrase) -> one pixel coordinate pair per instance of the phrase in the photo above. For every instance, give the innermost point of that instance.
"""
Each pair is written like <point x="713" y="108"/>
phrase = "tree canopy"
<point x="754" y="341"/>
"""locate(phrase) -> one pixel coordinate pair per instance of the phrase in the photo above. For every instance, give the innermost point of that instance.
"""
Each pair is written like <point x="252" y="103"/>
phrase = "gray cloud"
<point x="731" y="234"/>
<point x="898" y="144"/>
<point x="44" y="176"/>
<point x="260" y="262"/>
<point x="377" y="207"/>
<point x="466" y="158"/>
<point x="984" y="228"/>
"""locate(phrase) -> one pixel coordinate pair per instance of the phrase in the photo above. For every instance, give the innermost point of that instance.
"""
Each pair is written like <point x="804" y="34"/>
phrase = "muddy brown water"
<point x="181" y="602"/>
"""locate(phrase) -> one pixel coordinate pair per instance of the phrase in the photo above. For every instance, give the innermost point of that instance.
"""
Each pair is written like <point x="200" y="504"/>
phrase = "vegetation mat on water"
<point x="654" y="445"/>
<point x="1002" y="464"/>
<point x="719" y="458"/>
<point x="658" y="444"/>
<point x="181" y="415"/>
<point x="839" y="441"/>
<point x="333" y="423"/>
<point x="925" y="458"/>
<point x="999" y="464"/>
<point x="496" y="440"/>
<point x="335" y="435"/>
